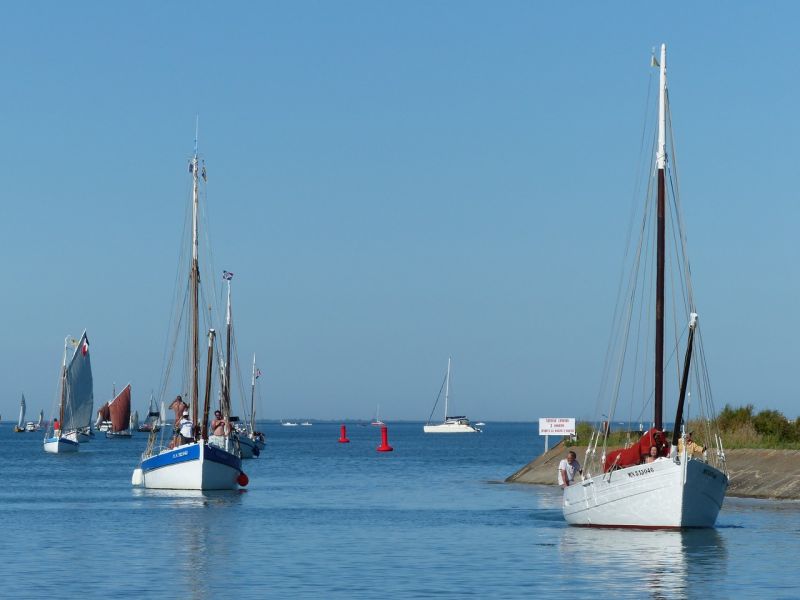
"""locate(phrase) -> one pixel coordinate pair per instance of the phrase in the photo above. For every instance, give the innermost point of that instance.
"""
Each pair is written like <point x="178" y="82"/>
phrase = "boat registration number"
<point x="640" y="472"/>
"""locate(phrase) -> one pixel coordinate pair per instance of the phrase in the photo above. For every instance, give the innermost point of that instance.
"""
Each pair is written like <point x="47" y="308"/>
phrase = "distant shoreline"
<point x="754" y="473"/>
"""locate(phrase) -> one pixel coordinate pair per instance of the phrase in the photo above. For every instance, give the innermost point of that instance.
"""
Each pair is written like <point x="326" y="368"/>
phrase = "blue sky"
<point x="392" y="183"/>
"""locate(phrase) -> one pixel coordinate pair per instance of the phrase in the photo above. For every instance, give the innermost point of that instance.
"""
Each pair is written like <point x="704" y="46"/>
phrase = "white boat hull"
<point x="659" y="495"/>
<point x="196" y="466"/>
<point x="450" y="428"/>
<point x="60" y="445"/>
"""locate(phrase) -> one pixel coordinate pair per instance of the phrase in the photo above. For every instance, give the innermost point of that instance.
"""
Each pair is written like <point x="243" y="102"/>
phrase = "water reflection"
<point x="655" y="564"/>
<point x="189" y="498"/>
<point x="204" y="530"/>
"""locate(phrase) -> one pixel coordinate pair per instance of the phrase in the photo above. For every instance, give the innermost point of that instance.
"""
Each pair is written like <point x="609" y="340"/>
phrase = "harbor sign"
<point x="555" y="426"/>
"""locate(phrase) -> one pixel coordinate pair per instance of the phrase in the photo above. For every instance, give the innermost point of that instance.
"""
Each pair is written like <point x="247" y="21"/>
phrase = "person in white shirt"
<point x="567" y="469"/>
<point x="186" y="429"/>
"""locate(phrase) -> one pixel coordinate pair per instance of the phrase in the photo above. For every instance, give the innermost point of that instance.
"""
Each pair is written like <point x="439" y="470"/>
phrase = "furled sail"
<point x="79" y="395"/>
<point x="120" y="409"/>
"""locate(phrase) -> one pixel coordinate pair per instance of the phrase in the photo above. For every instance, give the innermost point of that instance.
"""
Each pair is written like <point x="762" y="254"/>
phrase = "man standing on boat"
<point x="220" y="428"/>
<point x="567" y="469"/>
<point x="186" y="429"/>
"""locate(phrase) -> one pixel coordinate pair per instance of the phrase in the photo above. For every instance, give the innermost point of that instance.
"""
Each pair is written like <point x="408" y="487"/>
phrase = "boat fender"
<point x="138" y="477"/>
<point x="256" y="451"/>
<point x="243" y="479"/>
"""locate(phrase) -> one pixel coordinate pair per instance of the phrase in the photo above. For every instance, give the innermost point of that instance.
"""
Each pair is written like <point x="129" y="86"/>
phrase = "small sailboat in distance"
<point x="120" y="410"/>
<point x="20" y="426"/>
<point x="459" y="424"/>
<point x="76" y="396"/>
<point x="377" y="420"/>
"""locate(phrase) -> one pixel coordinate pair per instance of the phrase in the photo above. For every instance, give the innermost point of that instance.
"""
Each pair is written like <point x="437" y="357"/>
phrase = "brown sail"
<point x="120" y="409"/>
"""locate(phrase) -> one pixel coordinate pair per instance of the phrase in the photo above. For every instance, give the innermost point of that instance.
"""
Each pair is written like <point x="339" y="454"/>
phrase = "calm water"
<point x="321" y="519"/>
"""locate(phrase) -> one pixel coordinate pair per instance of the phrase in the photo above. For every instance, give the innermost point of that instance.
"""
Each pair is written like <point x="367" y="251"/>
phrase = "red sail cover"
<point x="627" y="457"/>
<point x="120" y="409"/>
<point x="104" y="413"/>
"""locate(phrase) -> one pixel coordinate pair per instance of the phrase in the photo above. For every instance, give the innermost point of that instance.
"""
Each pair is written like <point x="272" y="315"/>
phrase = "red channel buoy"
<point x="343" y="437"/>
<point x="384" y="447"/>
<point x="242" y="480"/>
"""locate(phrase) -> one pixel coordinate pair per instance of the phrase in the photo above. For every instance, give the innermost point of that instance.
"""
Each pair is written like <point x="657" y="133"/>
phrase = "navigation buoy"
<point x="343" y="437"/>
<point x="384" y="447"/>
<point x="242" y="480"/>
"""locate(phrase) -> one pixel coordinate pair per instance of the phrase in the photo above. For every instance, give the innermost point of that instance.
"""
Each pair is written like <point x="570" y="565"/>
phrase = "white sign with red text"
<point x="556" y="426"/>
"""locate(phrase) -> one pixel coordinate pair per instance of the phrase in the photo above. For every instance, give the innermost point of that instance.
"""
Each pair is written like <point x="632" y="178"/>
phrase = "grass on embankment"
<point x="739" y="428"/>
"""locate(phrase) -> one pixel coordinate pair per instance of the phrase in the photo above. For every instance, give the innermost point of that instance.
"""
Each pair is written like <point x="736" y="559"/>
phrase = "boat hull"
<point x="197" y="466"/>
<point x="60" y="445"/>
<point x="450" y="428"/>
<point x="250" y="448"/>
<point x="660" y="495"/>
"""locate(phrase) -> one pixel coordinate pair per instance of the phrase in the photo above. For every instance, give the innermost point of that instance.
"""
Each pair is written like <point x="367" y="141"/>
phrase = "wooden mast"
<point x="63" y="387"/>
<point x="687" y="362"/>
<point x="195" y="284"/>
<point x="661" y="164"/>
<point x="226" y="398"/>
<point x="207" y="401"/>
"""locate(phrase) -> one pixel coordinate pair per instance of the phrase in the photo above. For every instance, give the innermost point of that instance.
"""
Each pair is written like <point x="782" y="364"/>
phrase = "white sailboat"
<point x="75" y="399"/>
<point x="624" y="488"/>
<point x="197" y="464"/>
<point x="153" y="417"/>
<point x="20" y="426"/>
<point x="459" y="424"/>
<point x="377" y="420"/>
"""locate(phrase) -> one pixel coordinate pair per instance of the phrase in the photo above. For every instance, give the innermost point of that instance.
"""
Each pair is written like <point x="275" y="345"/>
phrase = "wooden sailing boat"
<point x="120" y="412"/>
<point x="458" y="424"/>
<point x="196" y="465"/>
<point x="20" y="426"/>
<point x="623" y="488"/>
<point x="75" y="398"/>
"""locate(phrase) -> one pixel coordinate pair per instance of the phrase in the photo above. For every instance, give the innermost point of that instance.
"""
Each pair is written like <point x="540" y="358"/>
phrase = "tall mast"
<point x="63" y="384"/>
<point x="661" y="164"/>
<point x="447" y="389"/>
<point x="195" y="281"/>
<point x="227" y="396"/>
<point x="253" y="396"/>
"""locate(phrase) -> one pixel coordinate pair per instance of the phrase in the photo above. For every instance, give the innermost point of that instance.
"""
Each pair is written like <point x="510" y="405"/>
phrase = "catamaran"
<point x="623" y="487"/>
<point x="459" y="424"/>
<point x="76" y="396"/>
<point x="196" y="464"/>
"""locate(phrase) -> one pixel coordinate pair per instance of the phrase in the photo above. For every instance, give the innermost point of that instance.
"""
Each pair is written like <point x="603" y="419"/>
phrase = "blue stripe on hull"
<point x="165" y="459"/>
<point x="188" y="453"/>
<point x="220" y="456"/>
<point x="62" y="440"/>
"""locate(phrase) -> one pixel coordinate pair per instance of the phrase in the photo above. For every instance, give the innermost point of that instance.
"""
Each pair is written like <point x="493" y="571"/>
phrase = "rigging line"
<point x="640" y="320"/>
<point x="675" y="185"/>
<point x="177" y="287"/>
<point x="613" y="339"/>
<point x="438" y="396"/>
